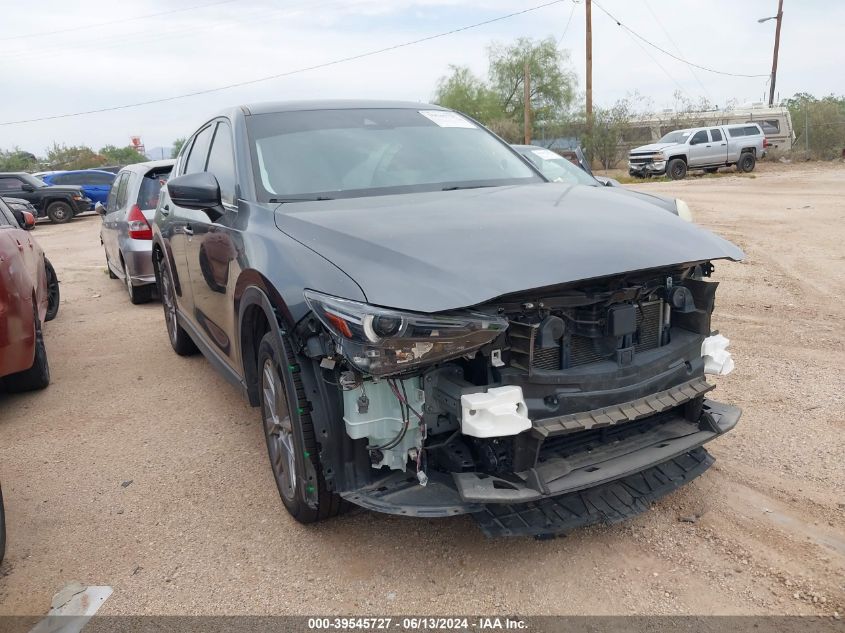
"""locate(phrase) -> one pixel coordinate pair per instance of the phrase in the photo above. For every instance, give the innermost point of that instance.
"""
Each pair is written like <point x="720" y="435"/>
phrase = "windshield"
<point x="556" y="168"/>
<point x="678" y="136"/>
<point x="363" y="152"/>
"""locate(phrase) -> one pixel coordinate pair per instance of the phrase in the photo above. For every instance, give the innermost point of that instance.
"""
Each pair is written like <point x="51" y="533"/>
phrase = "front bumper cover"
<point x="481" y="494"/>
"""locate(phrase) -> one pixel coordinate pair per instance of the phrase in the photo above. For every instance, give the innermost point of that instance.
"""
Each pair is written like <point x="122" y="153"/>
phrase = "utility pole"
<point x="589" y="106"/>
<point x="779" y="19"/>
<point x="526" y="106"/>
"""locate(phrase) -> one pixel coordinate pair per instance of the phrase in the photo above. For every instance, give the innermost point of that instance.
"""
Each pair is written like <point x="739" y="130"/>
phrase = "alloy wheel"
<point x="167" y="302"/>
<point x="278" y="429"/>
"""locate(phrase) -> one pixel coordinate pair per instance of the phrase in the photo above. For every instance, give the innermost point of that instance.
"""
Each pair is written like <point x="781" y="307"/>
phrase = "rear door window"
<point x="111" y="202"/>
<point x="716" y="135"/>
<point x="122" y="186"/>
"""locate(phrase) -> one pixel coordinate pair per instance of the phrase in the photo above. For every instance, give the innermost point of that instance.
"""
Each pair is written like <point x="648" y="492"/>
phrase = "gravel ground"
<point x="147" y="472"/>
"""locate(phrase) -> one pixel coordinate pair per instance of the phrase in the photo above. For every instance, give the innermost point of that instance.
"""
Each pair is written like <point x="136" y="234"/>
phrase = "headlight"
<point x="683" y="210"/>
<point x="380" y="342"/>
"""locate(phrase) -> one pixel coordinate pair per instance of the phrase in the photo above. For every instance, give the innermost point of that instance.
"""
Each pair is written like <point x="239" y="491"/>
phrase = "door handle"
<point x="188" y="230"/>
<point x="723" y="144"/>
<point x="707" y="146"/>
<point x="20" y="246"/>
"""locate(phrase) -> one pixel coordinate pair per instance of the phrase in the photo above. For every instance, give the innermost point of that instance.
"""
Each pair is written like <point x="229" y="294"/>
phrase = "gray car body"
<point x="125" y="255"/>
<point x="239" y="270"/>
<point x="408" y="251"/>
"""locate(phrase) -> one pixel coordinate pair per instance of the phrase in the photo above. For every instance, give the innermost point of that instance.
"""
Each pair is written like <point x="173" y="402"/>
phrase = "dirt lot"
<point x="147" y="472"/>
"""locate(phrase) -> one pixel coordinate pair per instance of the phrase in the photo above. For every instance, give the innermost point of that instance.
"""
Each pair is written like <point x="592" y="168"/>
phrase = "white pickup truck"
<point x="706" y="148"/>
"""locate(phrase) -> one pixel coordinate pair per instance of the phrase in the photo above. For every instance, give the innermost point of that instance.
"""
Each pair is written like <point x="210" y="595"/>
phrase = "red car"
<point x="29" y="296"/>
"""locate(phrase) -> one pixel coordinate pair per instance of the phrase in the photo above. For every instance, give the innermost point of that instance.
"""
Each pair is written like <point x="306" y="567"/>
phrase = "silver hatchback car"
<point x="125" y="234"/>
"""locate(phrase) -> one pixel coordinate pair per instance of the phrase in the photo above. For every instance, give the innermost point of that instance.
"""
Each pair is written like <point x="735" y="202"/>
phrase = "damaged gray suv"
<point x="430" y="328"/>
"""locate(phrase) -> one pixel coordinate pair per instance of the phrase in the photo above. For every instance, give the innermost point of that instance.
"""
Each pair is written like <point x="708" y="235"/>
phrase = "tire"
<point x="37" y="376"/>
<point x="747" y="162"/>
<point x="53" y="295"/>
<point x="2" y="528"/>
<point x="180" y="340"/>
<point x="59" y="212"/>
<point x="676" y="169"/>
<point x="137" y="294"/>
<point x="108" y="266"/>
<point x="289" y="433"/>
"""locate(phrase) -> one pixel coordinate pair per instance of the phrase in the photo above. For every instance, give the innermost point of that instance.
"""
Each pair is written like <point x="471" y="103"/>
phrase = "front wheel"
<point x="59" y="212"/>
<point x="180" y="340"/>
<point x="676" y="169"/>
<point x="37" y="376"/>
<point x="53" y="296"/>
<point x="746" y="162"/>
<point x="289" y="433"/>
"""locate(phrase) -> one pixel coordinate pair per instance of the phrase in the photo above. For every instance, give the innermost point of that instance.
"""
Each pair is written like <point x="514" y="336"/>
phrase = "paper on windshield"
<point x="445" y="118"/>
<point x="546" y="154"/>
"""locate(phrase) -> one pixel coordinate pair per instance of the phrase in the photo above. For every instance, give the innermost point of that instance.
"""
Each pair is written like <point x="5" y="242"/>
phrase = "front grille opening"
<point x="575" y="350"/>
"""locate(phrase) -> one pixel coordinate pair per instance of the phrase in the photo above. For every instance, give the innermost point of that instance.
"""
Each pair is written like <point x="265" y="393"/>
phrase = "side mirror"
<point x="99" y="208"/>
<point x="199" y="191"/>
<point x="27" y="187"/>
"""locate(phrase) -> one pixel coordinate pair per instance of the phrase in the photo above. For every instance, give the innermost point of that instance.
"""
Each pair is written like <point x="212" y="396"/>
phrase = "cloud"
<point x="149" y="58"/>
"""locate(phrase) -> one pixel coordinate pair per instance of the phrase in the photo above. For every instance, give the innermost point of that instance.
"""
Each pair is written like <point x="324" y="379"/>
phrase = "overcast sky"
<point x="203" y="44"/>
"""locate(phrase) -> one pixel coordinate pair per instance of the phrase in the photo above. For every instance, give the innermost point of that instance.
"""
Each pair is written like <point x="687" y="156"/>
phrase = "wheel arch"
<point x="260" y="309"/>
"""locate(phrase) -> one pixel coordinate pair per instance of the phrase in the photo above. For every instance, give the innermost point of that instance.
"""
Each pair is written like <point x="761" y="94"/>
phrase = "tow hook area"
<point x="498" y="412"/>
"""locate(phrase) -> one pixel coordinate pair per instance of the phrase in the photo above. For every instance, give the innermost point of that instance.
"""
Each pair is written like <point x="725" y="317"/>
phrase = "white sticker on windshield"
<point x="546" y="154"/>
<point x="445" y="118"/>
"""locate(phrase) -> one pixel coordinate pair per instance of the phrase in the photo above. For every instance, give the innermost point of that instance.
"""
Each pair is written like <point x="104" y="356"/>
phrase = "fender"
<point x="254" y="296"/>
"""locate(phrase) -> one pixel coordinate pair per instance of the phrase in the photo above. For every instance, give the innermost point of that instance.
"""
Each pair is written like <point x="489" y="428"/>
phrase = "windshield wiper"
<point x="286" y="200"/>
<point x="459" y="187"/>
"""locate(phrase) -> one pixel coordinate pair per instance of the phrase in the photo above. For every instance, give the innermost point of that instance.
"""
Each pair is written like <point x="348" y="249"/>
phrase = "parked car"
<point x="125" y="234"/>
<point x="429" y="327"/>
<point x="23" y="211"/>
<point x="60" y="203"/>
<point x="706" y="148"/>
<point x="29" y="296"/>
<point x="558" y="169"/>
<point x="96" y="183"/>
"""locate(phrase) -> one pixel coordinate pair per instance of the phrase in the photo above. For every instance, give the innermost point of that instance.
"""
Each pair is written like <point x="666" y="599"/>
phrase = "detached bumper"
<point x="558" y="474"/>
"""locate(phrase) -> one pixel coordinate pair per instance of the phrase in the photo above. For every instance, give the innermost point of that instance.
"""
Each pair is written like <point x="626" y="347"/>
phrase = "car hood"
<point x="653" y="147"/>
<point x="662" y="201"/>
<point x="16" y="201"/>
<point x="438" y="251"/>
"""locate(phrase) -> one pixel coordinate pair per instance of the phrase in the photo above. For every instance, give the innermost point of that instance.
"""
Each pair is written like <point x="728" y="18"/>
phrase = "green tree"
<point x="604" y="142"/>
<point x="552" y="84"/>
<point x="463" y="91"/>
<point x="121" y="155"/>
<point x="819" y="125"/>
<point x="17" y="160"/>
<point x="72" y="157"/>
<point x="177" y="146"/>
<point x="498" y="102"/>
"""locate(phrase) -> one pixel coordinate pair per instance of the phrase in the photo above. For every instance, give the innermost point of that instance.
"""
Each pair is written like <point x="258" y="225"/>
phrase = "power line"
<point x="568" y="22"/>
<point x="665" y="52"/>
<point x="121" y="21"/>
<point x="677" y="48"/>
<point x="287" y="73"/>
